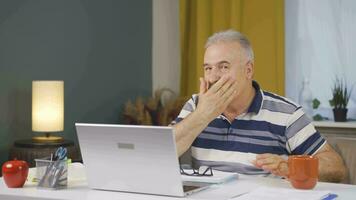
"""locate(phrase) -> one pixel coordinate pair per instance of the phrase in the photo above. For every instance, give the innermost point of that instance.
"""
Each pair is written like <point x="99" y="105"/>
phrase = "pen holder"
<point x="52" y="174"/>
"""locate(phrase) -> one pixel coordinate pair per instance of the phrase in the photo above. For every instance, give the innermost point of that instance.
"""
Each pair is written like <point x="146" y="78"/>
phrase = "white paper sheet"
<point x="267" y="193"/>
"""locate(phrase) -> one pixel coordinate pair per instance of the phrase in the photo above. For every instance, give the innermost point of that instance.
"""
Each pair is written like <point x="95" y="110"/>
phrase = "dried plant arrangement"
<point x="158" y="110"/>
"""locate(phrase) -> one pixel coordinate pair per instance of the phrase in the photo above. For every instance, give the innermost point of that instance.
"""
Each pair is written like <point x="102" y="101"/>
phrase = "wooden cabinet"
<point x="342" y="136"/>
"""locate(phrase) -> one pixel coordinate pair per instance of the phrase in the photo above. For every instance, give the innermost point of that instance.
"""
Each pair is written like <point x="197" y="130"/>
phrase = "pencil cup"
<point x="52" y="174"/>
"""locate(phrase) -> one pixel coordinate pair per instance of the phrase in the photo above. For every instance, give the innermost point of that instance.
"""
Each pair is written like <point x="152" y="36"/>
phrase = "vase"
<point x="340" y="114"/>
<point x="306" y="98"/>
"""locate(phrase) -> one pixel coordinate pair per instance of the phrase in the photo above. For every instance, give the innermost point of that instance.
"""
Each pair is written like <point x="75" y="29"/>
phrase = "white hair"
<point x="232" y="36"/>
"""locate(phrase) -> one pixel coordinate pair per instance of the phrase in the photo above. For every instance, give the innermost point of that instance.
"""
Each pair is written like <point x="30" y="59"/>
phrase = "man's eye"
<point x="207" y="68"/>
<point x="226" y="67"/>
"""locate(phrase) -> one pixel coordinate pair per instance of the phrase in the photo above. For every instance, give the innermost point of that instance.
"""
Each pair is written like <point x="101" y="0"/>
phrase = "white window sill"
<point x="332" y="124"/>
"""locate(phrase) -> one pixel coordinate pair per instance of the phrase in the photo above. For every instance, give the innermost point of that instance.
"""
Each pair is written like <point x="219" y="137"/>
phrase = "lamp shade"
<point x="47" y="106"/>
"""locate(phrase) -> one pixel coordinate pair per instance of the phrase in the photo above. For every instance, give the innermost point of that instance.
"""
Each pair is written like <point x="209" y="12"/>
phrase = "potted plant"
<point x="340" y="99"/>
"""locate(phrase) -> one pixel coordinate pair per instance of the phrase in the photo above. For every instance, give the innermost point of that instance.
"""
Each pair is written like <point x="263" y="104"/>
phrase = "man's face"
<point x="227" y="59"/>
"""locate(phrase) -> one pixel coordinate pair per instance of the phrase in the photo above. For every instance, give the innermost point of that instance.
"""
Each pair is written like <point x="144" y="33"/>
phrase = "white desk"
<point x="80" y="191"/>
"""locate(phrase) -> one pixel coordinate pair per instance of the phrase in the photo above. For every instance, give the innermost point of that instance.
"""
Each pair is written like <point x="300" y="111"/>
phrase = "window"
<point x="320" y="45"/>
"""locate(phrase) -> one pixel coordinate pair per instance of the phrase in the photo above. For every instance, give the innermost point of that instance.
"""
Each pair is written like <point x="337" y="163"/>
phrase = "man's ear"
<point x="249" y="69"/>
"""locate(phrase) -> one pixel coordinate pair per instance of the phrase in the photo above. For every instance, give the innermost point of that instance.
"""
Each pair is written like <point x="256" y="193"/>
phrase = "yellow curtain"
<point x="262" y="21"/>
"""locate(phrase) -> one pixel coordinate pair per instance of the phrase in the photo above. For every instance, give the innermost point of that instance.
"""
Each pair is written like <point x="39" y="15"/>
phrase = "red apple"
<point x="15" y="173"/>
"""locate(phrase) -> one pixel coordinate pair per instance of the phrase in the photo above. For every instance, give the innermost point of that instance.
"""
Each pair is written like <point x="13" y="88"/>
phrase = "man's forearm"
<point x="331" y="168"/>
<point x="331" y="165"/>
<point x="187" y="130"/>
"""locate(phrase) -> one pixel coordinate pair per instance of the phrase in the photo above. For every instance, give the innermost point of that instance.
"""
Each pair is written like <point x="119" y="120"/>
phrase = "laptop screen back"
<point x="140" y="159"/>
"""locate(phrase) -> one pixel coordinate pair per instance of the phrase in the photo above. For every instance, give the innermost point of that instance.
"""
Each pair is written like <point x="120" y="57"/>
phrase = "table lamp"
<point x="47" y="109"/>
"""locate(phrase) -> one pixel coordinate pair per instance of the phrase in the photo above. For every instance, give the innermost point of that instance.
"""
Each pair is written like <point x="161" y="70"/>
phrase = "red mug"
<point x="303" y="171"/>
<point x="15" y="173"/>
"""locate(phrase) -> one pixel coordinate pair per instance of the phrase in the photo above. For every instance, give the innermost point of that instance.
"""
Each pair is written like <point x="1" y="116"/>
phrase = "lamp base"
<point x="47" y="138"/>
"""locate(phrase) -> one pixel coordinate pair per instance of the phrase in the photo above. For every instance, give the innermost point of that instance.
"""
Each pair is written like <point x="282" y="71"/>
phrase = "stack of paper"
<point x="218" y="177"/>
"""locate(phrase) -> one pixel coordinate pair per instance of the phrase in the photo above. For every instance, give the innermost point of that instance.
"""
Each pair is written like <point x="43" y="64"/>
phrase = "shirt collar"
<point x="257" y="99"/>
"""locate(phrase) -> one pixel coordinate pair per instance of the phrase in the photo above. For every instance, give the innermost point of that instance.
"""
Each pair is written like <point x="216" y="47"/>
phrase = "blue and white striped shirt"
<point x="272" y="124"/>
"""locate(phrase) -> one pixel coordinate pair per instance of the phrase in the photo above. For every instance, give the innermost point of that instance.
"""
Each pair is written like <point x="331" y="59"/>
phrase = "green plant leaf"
<point x="331" y="102"/>
<point x="317" y="117"/>
<point x="316" y="103"/>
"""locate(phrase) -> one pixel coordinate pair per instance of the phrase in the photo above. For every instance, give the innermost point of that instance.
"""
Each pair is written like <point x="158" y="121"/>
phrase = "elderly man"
<point x="233" y="125"/>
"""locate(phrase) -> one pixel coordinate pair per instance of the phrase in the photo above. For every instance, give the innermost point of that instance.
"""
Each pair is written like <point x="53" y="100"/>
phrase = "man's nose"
<point x="216" y="73"/>
<point x="214" y="77"/>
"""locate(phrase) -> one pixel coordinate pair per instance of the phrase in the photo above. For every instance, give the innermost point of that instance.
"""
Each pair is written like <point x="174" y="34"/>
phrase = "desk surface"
<point x="80" y="190"/>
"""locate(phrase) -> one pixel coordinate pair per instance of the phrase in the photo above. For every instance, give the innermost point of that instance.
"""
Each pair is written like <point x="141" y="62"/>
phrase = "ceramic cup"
<point x="303" y="171"/>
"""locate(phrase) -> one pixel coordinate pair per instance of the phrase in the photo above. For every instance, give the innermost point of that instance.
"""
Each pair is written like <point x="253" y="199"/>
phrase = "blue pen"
<point x="330" y="197"/>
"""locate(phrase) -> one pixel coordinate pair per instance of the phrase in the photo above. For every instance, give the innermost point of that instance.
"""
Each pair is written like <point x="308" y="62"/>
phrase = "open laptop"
<point x="140" y="159"/>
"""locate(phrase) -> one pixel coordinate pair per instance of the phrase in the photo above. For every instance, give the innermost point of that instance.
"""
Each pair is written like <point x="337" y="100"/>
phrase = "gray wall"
<point x="100" y="48"/>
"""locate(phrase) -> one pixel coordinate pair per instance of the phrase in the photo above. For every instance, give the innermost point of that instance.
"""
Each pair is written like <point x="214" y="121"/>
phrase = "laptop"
<point x="138" y="159"/>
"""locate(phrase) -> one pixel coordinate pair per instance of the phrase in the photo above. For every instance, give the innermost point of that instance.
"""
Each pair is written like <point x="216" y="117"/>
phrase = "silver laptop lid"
<point x="140" y="159"/>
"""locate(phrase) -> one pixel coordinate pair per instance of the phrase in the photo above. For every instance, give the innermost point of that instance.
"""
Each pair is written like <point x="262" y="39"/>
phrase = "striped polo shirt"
<point x="272" y="124"/>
